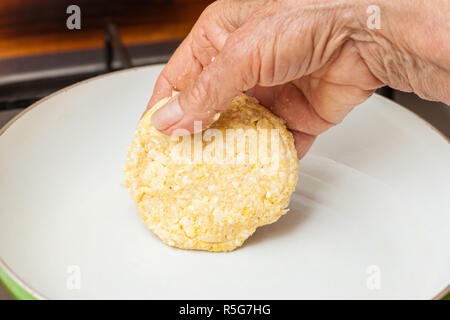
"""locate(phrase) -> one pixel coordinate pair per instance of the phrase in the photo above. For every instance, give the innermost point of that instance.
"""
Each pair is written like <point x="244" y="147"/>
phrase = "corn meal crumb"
<point x="210" y="206"/>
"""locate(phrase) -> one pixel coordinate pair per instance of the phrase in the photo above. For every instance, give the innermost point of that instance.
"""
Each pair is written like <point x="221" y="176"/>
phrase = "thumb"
<point x="227" y="76"/>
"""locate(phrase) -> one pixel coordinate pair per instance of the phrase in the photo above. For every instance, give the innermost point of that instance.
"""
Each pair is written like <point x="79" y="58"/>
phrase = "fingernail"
<point x="168" y="115"/>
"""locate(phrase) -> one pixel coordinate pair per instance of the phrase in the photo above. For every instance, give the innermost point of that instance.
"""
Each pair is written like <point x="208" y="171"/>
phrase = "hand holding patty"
<point x="309" y="61"/>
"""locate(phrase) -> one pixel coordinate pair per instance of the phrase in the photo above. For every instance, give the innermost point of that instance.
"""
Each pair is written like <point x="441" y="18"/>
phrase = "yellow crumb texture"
<point x="211" y="205"/>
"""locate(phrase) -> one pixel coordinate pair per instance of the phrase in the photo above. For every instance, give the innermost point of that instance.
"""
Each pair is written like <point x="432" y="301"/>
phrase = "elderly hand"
<point x="309" y="61"/>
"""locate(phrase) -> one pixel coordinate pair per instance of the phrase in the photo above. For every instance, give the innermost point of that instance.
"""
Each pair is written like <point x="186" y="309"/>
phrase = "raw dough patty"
<point x="212" y="204"/>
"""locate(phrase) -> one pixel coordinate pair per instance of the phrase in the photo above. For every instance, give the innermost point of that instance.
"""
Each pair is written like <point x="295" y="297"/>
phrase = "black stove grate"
<point x="25" y="80"/>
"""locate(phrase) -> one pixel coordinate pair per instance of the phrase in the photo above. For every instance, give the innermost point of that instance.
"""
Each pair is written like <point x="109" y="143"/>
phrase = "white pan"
<point x="370" y="217"/>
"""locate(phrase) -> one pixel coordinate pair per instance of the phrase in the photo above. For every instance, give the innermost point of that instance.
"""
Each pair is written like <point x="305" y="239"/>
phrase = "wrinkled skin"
<point x="311" y="62"/>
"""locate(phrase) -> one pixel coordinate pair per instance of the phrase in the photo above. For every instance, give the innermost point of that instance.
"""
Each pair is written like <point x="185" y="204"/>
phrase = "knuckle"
<point x="214" y="8"/>
<point x="243" y="55"/>
<point x="198" y="97"/>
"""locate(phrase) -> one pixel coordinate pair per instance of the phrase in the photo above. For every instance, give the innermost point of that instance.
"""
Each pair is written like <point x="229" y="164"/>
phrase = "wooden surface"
<point x="29" y="27"/>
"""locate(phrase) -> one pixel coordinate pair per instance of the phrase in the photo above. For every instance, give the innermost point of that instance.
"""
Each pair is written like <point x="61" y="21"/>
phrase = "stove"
<point x="24" y="80"/>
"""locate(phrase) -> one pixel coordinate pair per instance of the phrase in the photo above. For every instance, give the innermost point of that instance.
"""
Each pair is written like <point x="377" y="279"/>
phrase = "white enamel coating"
<point x="370" y="217"/>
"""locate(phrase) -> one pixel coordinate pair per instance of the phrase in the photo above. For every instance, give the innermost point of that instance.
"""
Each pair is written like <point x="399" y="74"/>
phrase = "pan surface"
<point x="370" y="217"/>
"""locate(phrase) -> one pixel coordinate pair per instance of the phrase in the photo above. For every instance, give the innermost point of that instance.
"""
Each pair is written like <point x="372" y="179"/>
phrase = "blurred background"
<point x="40" y="55"/>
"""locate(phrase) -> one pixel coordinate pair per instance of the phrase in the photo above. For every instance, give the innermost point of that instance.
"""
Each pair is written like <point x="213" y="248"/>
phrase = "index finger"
<point x="203" y="43"/>
<point x="206" y="39"/>
<point x="182" y="68"/>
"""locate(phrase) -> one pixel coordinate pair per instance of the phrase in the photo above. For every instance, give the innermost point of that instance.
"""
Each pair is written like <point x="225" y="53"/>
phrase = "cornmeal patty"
<point x="210" y="191"/>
